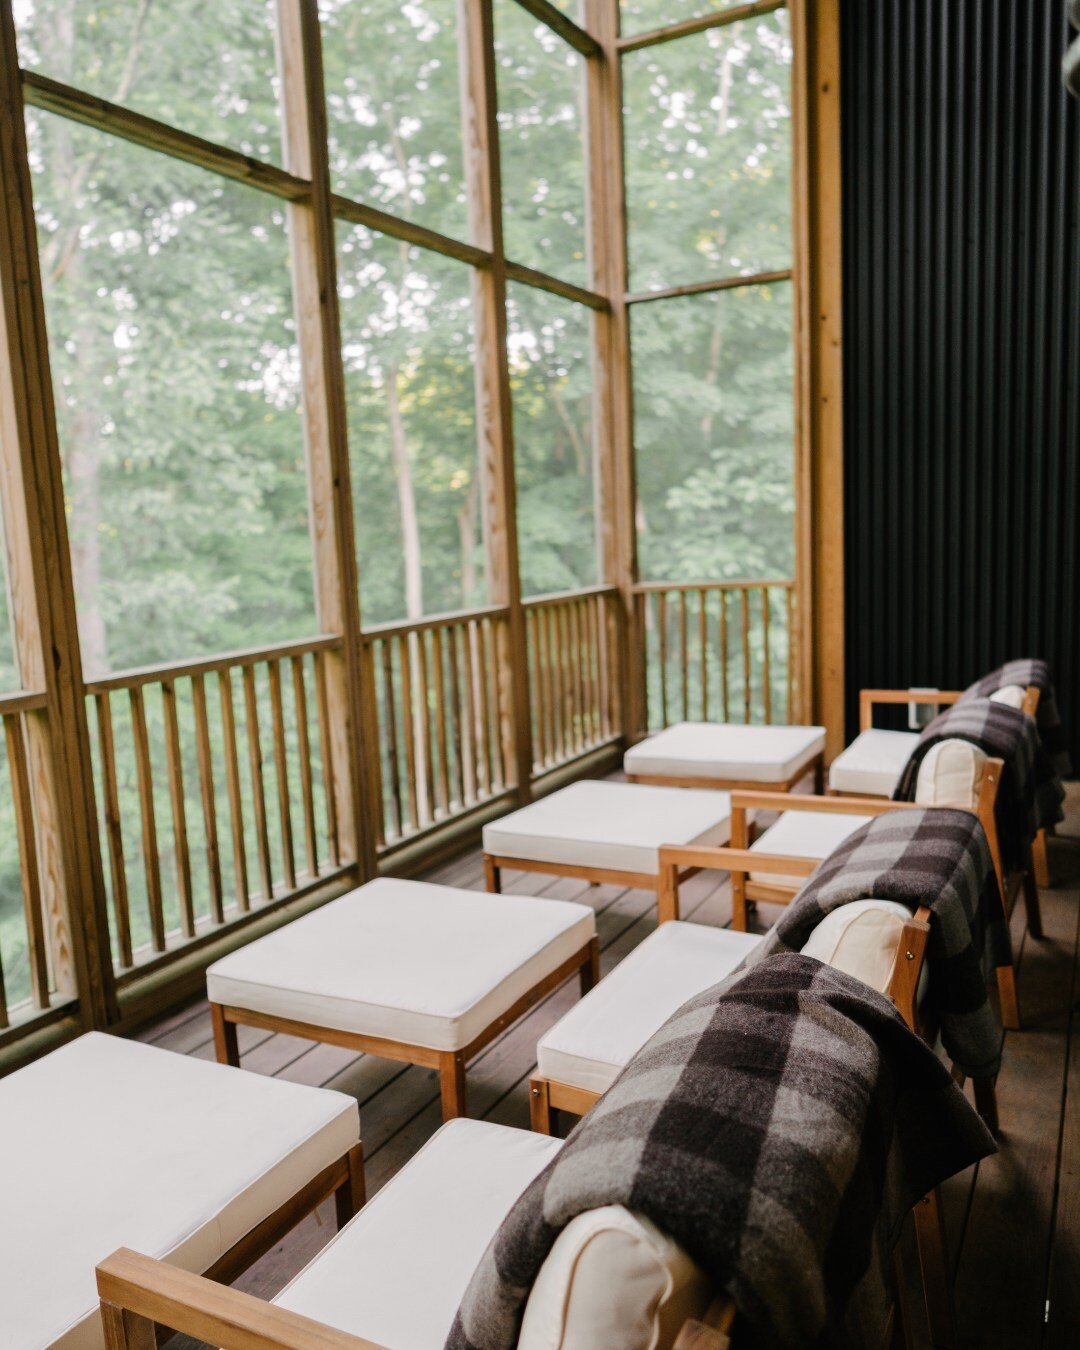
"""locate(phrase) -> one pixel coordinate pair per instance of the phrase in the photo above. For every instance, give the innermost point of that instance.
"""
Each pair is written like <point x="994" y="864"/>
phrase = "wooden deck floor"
<point x="1014" y="1222"/>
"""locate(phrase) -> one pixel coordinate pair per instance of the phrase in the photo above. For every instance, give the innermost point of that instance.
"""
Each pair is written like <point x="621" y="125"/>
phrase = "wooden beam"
<point x="707" y="287"/>
<point x="719" y="18"/>
<point x="358" y="213"/>
<point x="493" y="411"/>
<point x="542" y="281"/>
<point x="349" y="679"/>
<point x="562" y="24"/>
<point x="41" y="587"/>
<point x="816" y="185"/>
<point x="613" y="429"/>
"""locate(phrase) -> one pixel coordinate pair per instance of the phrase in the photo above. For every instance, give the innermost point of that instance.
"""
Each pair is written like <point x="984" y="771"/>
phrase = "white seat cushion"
<point x="1012" y="694"/>
<point x="763" y="754"/>
<point x="405" y="960"/>
<point x="590" y="1045"/>
<point x="617" y="826"/>
<point x="803" y="834"/>
<point x="860" y="939"/>
<point x="872" y="764"/>
<point x="950" y="773"/>
<point x="397" y="1272"/>
<point x="108" y="1143"/>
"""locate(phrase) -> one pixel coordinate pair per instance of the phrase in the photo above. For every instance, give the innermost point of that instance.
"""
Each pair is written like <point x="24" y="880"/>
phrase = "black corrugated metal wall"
<point x="962" y="343"/>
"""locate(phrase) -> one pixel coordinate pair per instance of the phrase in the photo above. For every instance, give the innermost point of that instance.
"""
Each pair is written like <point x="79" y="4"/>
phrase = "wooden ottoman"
<point x="728" y="755"/>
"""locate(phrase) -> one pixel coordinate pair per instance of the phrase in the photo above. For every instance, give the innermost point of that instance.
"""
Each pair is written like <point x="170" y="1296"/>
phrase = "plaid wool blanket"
<point x="1032" y="671"/>
<point x="1030" y="795"/>
<point x="779" y="1130"/>
<point x="935" y="857"/>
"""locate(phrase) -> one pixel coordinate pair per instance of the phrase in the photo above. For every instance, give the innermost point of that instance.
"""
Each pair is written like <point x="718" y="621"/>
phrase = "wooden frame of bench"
<point x="450" y="1064"/>
<point x="871" y="698"/>
<point x="814" y="765"/>
<point x="638" y="881"/>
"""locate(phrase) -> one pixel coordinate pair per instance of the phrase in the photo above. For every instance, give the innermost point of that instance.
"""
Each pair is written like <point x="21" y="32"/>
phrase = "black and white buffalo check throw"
<point x="931" y="856"/>
<point x="1031" y="793"/>
<point x="779" y="1129"/>
<point x="1031" y="671"/>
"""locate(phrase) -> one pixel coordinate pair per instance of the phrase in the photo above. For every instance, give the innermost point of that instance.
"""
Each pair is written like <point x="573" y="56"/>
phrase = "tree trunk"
<point x="410" y="525"/>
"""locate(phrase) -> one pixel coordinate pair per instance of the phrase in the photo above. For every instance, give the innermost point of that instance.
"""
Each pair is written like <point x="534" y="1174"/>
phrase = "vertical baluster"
<point x="281" y="772"/>
<point x="144" y="778"/>
<point x="536" y="638"/>
<point x="792" y="639"/>
<point x="232" y="785"/>
<point x="303" y="746"/>
<point x="555" y="686"/>
<point x="438" y="680"/>
<point x="661" y="627"/>
<point x="744" y="618"/>
<point x="408" y="722"/>
<point x="423" y="729"/>
<point x="577" y="701"/>
<point x="22" y="797"/>
<point x="175" y="767"/>
<point x="326" y="755"/>
<point x="532" y="649"/>
<point x="684" y="657"/>
<point x="113" y="830"/>
<point x="495" y="704"/>
<point x="390" y="731"/>
<point x="593" y="611"/>
<point x="766" y="673"/>
<point x="457" y="739"/>
<point x="482" y="723"/>
<point x="566" y="656"/>
<point x="703" y="647"/>
<point x="262" y="837"/>
<point x="207" y="797"/>
<point x="472" y="787"/>
<point x="723" y="640"/>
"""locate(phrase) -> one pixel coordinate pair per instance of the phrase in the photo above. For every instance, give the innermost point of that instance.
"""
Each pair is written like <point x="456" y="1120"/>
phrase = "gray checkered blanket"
<point x="935" y="857"/>
<point x="779" y="1130"/>
<point x="1030" y="795"/>
<point x="1031" y="671"/>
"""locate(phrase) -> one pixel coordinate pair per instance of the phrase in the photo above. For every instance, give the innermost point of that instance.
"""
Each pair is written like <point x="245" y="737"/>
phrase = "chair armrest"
<point x="705" y="857"/>
<point x="742" y="800"/>
<point x="868" y="698"/>
<point x="137" y="1291"/>
<point x="903" y="983"/>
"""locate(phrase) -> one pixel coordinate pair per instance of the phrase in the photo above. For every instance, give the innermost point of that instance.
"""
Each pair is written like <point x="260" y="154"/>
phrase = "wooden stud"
<point x="232" y="785"/>
<point x="175" y="769"/>
<point x="30" y="876"/>
<point x="208" y="797"/>
<point x="145" y="780"/>
<point x="258" y="791"/>
<point x="113" y="830"/>
<point x="281" y="772"/>
<point x="303" y="745"/>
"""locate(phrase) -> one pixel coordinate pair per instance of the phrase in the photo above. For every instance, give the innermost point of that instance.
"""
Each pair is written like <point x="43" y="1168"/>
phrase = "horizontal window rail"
<point x="223" y="771"/>
<point x="721" y="651"/>
<point x="443" y="707"/>
<point x="28" y="985"/>
<point x="573" y="655"/>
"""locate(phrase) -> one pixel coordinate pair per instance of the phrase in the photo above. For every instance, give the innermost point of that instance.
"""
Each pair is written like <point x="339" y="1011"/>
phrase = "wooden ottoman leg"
<point x="667" y="893"/>
<point x="350" y="1195"/>
<point x="126" y="1330"/>
<point x="934" y="1260"/>
<point x="1041" y="859"/>
<point x="1010" y="1003"/>
<point x="492" y="875"/>
<point x="590" y="971"/>
<point x="540" y="1112"/>
<point x="452" y="1084"/>
<point x="226" y="1045"/>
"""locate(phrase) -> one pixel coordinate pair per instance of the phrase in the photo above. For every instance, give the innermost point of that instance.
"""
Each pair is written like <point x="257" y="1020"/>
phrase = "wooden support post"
<point x="613" y="431"/>
<point x="540" y="1110"/>
<point x="40" y="586"/>
<point x="819" y="366"/>
<point x="493" y="411"/>
<point x="452" y="1084"/>
<point x="348" y="677"/>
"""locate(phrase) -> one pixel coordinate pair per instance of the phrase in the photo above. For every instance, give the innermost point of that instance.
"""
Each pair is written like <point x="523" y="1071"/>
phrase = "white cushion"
<point x="872" y="764"/>
<point x="949" y="774"/>
<point x="590" y="1045"/>
<point x="413" y="962"/>
<point x="860" y="939"/>
<point x="396" y="1273"/>
<point x="803" y="834"/>
<point x="108" y="1143"/>
<point x="612" y="1279"/>
<point x="618" y="826"/>
<point x="762" y="754"/>
<point x="1012" y="694"/>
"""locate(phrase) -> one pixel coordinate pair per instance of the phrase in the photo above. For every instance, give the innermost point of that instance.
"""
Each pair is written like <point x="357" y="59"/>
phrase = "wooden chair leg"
<point x="540" y="1109"/>
<point x="934" y="1260"/>
<point x="350" y="1195"/>
<point x="1041" y="859"/>
<point x="1010" y="1002"/>
<point x="226" y="1044"/>
<point x="740" y="912"/>
<point x="126" y="1331"/>
<point x="1031" y="900"/>
<point x="452" y="1084"/>
<point x="986" y="1102"/>
<point x="492" y="875"/>
<point x="590" y="971"/>
<point x="667" y="894"/>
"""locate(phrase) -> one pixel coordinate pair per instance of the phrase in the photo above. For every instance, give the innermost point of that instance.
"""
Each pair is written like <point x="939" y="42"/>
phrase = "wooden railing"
<point x="186" y="738"/>
<point x="445" y="745"/>
<point x="718" y="651"/>
<point x="27" y="959"/>
<point x="573" y="673"/>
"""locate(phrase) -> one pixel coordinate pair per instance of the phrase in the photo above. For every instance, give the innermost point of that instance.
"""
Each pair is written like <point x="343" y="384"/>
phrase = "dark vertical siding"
<point x="962" y="342"/>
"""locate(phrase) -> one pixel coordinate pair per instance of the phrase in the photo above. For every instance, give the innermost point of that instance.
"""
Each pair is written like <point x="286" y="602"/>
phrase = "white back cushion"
<point x="860" y="939"/>
<point x="1012" y="694"/>
<point x="950" y="774"/>
<point x="612" y="1279"/>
